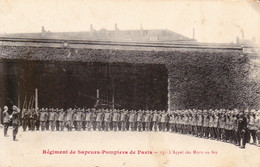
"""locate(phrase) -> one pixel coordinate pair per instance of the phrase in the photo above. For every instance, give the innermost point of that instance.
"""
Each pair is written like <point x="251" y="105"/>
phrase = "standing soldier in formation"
<point x="155" y="120"/>
<point x="200" y="124"/>
<point x="139" y="120"/>
<point x="132" y="120"/>
<point x="107" y="119"/>
<point x="37" y="122"/>
<point x="147" y="120"/>
<point x="194" y="123"/>
<point x="123" y="116"/>
<point x="222" y="121"/>
<point x="88" y="119"/>
<point x="211" y="125"/>
<point x="25" y="119"/>
<point x="94" y="116"/>
<point x="69" y="119"/>
<point x="61" y="119"/>
<point x="115" y="120"/>
<point x="177" y="118"/>
<point x="78" y="119"/>
<point x="252" y="127"/>
<point x="171" y="122"/>
<point x="258" y="127"/>
<point x="216" y="126"/>
<point x="99" y="120"/>
<point x="206" y="122"/>
<point x="43" y="119"/>
<point x="189" y="123"/>
<point x="228" y="127"/>
<point x="6" y="120"/>
<point x="47" y="118"/>
<point x="163" y="121"/>
<point x="15" y="121"/>
<point x="185" y="122"/>
<point x="84" y="119"/>
<point x="56" y="119"/>
<point x="32" y="119"/>
<point x="52" y="119"/>
<point x="234" y="132"/>
<point x="127" y="120"/>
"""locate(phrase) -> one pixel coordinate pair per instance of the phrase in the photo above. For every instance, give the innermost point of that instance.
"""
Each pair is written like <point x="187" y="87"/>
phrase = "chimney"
<point x="237" y="40"/>
<point x="141" y="29"/>
<point x="116" y="28"/>
<point x="43" y="31"/>
<point x="91" y="27"/>
<point x="193" y="33"/>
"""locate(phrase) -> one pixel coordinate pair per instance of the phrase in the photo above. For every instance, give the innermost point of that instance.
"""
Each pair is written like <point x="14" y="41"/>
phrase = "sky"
<point x="214" y="21"/>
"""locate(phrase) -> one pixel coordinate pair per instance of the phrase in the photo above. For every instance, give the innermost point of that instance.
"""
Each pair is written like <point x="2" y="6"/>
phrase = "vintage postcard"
<point x="127" y="83"/>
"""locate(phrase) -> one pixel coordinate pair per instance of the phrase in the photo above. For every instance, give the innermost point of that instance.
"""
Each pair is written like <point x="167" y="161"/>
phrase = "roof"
<point x="141" y="35"/>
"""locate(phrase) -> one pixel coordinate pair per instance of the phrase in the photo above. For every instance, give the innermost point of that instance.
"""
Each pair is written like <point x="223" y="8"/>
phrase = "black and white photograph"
<point x="128" y="83"/>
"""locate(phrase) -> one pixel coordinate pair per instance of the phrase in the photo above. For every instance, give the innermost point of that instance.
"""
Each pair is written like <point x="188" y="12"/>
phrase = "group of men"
<point x="232" y="126"/>
<point x="14" y="118"/>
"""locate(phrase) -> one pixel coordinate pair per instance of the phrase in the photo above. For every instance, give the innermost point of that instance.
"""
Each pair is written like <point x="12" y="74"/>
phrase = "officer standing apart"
<point x="242" y="127"/>
<point x="6" y="120"/>
<point x="15" y="121"/>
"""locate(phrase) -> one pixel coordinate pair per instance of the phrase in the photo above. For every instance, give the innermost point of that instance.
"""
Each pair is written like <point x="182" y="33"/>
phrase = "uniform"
<point x="211" y="126"/>
<point x="78" y="120"/>
<point x="123" y="121"/>
<point x="171" y="123"/>
<point x="242" y="125"/>
<point x="178" y="122"/>
<point x="52" y="119"/>
<point x="185" y="123"/>
<point x="37" y="119"/>
<point x="139" y="120"/>
<point x="94" y="116"/>
<point x="163" y="121"/>
<point x="15" y="121"/>
<point x="257" y="126"/>
<point x="61" y="119"/>
<point x="25" y="119"/>
<point x="200" y="125"/>
<point x="47" y="118"/>
<point x="88" y="119"/>
<point x="234" y="130"/>
<point x="222" y="123"/>
<point x="132" y="120"/>
<point x="228" y="127"/>
<point x="147" y="120"/>
<point x="216" y="127"/>
<point x="43" y="119"/>
<point x="155" y="120"/>
<point x="84" y="123"/>
<point x="190" y="124"/>
<point x="251" y="128"/>
<point x="32" y="119"/>
<point x="69" y="119"/>
<point x="5" y="120"/>
<point x="206" y="125"/>
<point x="115" y="120"/>
<point x="99" y="120"/>
<point x="194" y="124"/>
<point x="56" y="120"/>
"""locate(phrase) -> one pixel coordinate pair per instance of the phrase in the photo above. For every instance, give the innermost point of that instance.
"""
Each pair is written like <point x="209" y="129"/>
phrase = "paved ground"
<point x="168" y="149"/>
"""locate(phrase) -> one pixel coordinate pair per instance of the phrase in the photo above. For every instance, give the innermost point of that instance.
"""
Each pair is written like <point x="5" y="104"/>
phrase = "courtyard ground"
<point x="101" y="149"/>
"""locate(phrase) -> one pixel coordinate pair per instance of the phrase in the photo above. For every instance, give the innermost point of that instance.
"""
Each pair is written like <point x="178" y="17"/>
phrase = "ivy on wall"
<point x="199" y="79"/>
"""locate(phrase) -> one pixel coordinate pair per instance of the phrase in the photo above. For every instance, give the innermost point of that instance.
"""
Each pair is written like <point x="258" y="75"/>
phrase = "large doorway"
<point x="75" y="84"/>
